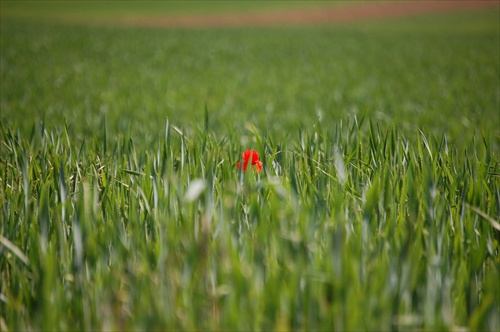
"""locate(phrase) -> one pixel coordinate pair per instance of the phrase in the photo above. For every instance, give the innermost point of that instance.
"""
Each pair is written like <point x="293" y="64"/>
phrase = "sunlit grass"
<point x="352" y="227"/>
<point x="377" y="207"/>
<point x="441" y="81"/>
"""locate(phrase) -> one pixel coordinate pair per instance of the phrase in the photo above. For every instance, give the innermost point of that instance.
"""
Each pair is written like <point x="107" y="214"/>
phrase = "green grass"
<point x="350" y="228"/>
<point x="98" y="10"/>
<point x="122" y="208"/>
<point x="276" y="79"/>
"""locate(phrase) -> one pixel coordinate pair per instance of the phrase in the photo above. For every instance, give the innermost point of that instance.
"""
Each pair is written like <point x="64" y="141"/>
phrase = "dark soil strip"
<point x="326" y="15"/>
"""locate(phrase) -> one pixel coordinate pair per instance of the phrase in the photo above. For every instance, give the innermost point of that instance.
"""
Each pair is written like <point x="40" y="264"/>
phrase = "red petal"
<point x="245" y="165"/>
<point x="246" y="156"/>
<point x="250" y="155"/>
<point x="258" y="164"/>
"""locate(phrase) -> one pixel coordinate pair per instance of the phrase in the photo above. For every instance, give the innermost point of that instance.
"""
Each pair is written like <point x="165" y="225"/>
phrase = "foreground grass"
<point x="352" y="227"/>
<point x="113" y="219"/>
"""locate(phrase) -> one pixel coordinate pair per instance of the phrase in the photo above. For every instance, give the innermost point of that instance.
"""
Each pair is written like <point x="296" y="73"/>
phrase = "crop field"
<point x="126" y="202"/>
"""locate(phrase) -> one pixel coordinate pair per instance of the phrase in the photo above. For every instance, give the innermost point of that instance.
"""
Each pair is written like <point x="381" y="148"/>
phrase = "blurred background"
<point x="278" y="65"/>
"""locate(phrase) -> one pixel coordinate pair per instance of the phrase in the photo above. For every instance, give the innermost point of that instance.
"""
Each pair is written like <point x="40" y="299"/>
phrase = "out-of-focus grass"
<point x="92" y="10"/>
<point x="352" y="227"/>
<point x="445" y="81"/>
<point x="378" y="222"/>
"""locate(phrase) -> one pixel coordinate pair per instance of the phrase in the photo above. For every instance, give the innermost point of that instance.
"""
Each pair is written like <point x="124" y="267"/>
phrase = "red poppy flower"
<point x="250" y="156"/>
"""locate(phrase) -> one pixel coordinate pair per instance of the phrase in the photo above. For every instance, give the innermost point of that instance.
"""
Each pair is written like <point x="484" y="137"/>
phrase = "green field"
<point x="98" y="11"/>
<point x="378" y="206"/>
